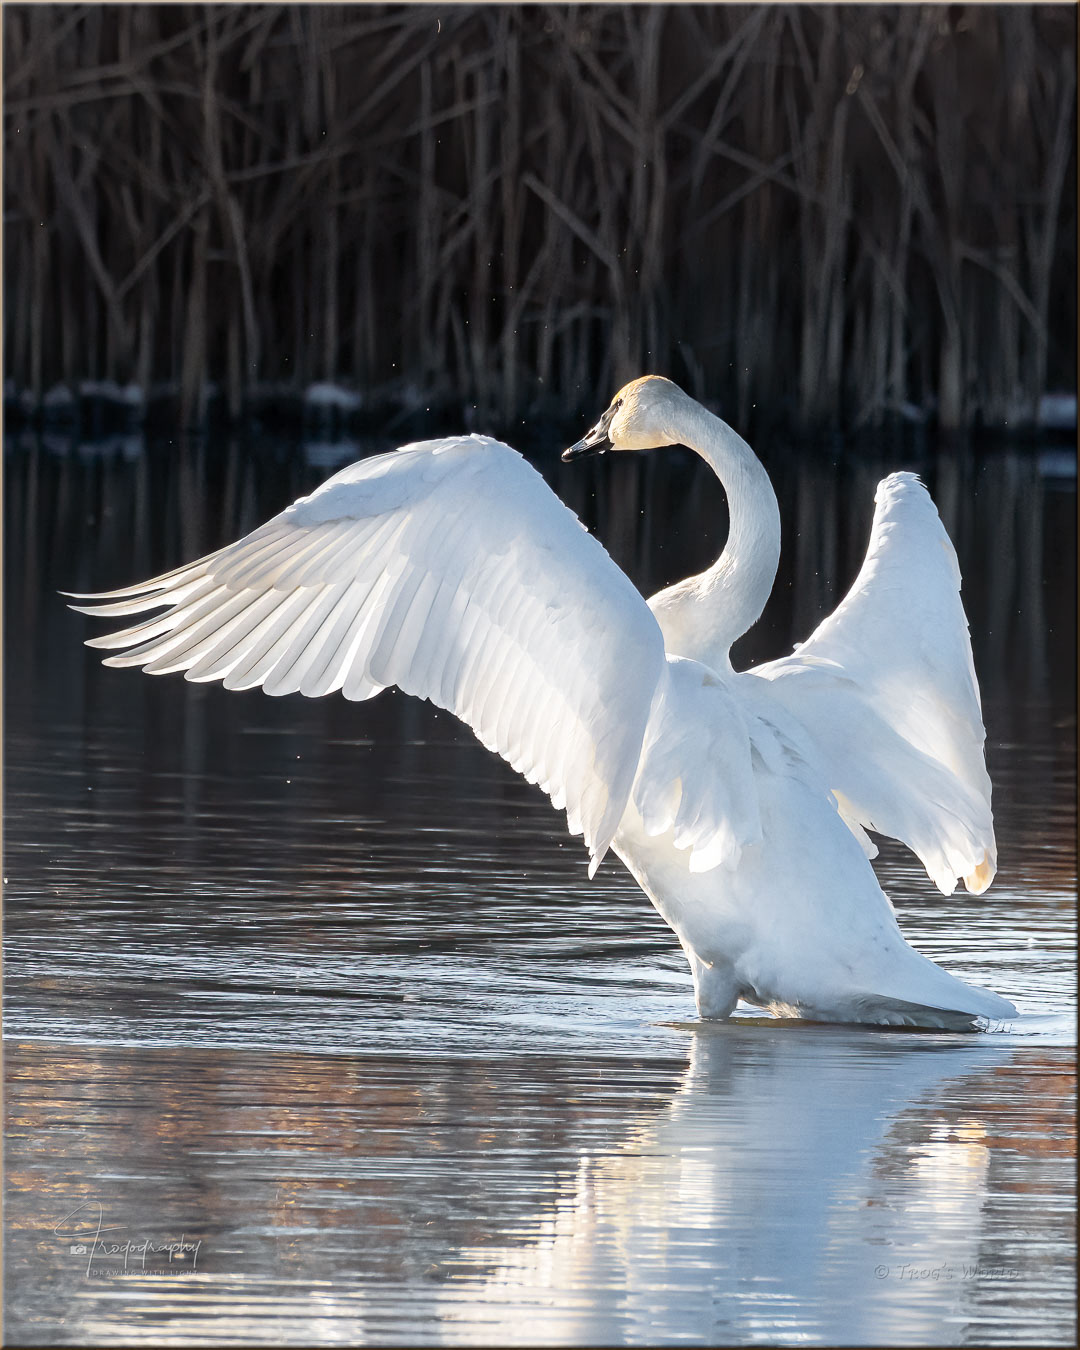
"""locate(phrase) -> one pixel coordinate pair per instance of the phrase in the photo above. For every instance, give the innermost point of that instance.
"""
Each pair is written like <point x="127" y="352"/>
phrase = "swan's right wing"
<point x="451" y="570"/>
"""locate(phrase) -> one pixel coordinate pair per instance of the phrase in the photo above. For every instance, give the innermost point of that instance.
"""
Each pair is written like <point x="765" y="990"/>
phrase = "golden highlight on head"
<point x="642" y="382"/>
<point x="642" y="385"/>
<point x="638" y="416"/>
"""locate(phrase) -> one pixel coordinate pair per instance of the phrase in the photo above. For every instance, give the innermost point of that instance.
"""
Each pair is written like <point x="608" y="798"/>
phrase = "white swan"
<point x="737" y="801"/>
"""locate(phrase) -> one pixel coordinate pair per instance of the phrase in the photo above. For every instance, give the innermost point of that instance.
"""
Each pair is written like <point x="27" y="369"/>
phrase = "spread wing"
<point x="451" y="570"/>
<point x="886" y="689"/>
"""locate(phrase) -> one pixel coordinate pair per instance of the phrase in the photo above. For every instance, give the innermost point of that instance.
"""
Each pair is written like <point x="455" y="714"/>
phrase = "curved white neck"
<point x="702" y="616"/>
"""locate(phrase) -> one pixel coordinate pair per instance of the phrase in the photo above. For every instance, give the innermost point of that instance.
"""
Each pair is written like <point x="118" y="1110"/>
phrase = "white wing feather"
<point x="697" y="775"/>
<point x="448" y="569"/>
<point x="886" y="689"/>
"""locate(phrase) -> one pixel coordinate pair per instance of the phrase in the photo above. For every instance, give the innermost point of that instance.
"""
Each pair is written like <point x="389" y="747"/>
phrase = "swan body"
<point x="739" y="801"/>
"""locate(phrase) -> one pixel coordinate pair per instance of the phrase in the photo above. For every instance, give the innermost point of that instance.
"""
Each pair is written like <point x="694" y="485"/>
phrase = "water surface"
<point x="315" y="997"/>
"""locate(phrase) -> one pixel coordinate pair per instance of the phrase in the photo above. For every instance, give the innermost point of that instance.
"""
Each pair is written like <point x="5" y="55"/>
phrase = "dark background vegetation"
<point x="818" y="216"/>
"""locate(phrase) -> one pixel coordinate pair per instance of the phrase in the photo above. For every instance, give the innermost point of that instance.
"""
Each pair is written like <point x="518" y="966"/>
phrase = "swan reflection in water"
<point x="805" y="1183"/>
<point x="740" y="802"/>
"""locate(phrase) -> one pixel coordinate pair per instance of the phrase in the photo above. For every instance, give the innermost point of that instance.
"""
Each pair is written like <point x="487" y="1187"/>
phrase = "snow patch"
<point x="326" y="395"/>
<point x="1057" y="412"/>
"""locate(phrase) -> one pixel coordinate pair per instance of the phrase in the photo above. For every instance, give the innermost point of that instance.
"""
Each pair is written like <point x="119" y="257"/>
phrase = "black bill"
<point x="594" y="442"/>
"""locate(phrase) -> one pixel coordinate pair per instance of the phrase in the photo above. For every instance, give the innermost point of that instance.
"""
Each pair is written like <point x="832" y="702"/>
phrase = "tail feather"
<point x="909" y="989"/>
<point x="935" y="999"/>
<point x="896" y="1012"/>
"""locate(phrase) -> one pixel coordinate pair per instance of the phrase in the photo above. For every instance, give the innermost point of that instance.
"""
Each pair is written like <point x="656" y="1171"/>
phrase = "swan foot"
<point x="716" y="990"/>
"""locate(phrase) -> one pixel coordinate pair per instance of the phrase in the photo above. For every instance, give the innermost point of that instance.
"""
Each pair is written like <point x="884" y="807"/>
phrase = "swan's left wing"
<point x="886" y="689"/>
<point x="450" y="569"/>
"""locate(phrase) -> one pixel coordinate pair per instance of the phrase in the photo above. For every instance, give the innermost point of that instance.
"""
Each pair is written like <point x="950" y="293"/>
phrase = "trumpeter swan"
<point x="739" y="801"/>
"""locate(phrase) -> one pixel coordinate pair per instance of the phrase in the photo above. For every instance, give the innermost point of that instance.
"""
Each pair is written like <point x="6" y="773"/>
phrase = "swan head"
<point x="640" y="416"/>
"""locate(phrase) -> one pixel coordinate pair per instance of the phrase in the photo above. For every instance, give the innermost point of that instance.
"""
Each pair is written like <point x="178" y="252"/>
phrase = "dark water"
<point x="315" y="997"/>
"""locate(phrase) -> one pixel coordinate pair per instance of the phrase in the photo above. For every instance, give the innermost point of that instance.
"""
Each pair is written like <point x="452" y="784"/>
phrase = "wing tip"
<point x="898" y="482"/>
<point x="596" y="857"/>
<point x="978" y="880"/>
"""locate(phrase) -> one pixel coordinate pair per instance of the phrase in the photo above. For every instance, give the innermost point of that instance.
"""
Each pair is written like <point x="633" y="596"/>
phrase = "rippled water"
<point x="315" y="997"/>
